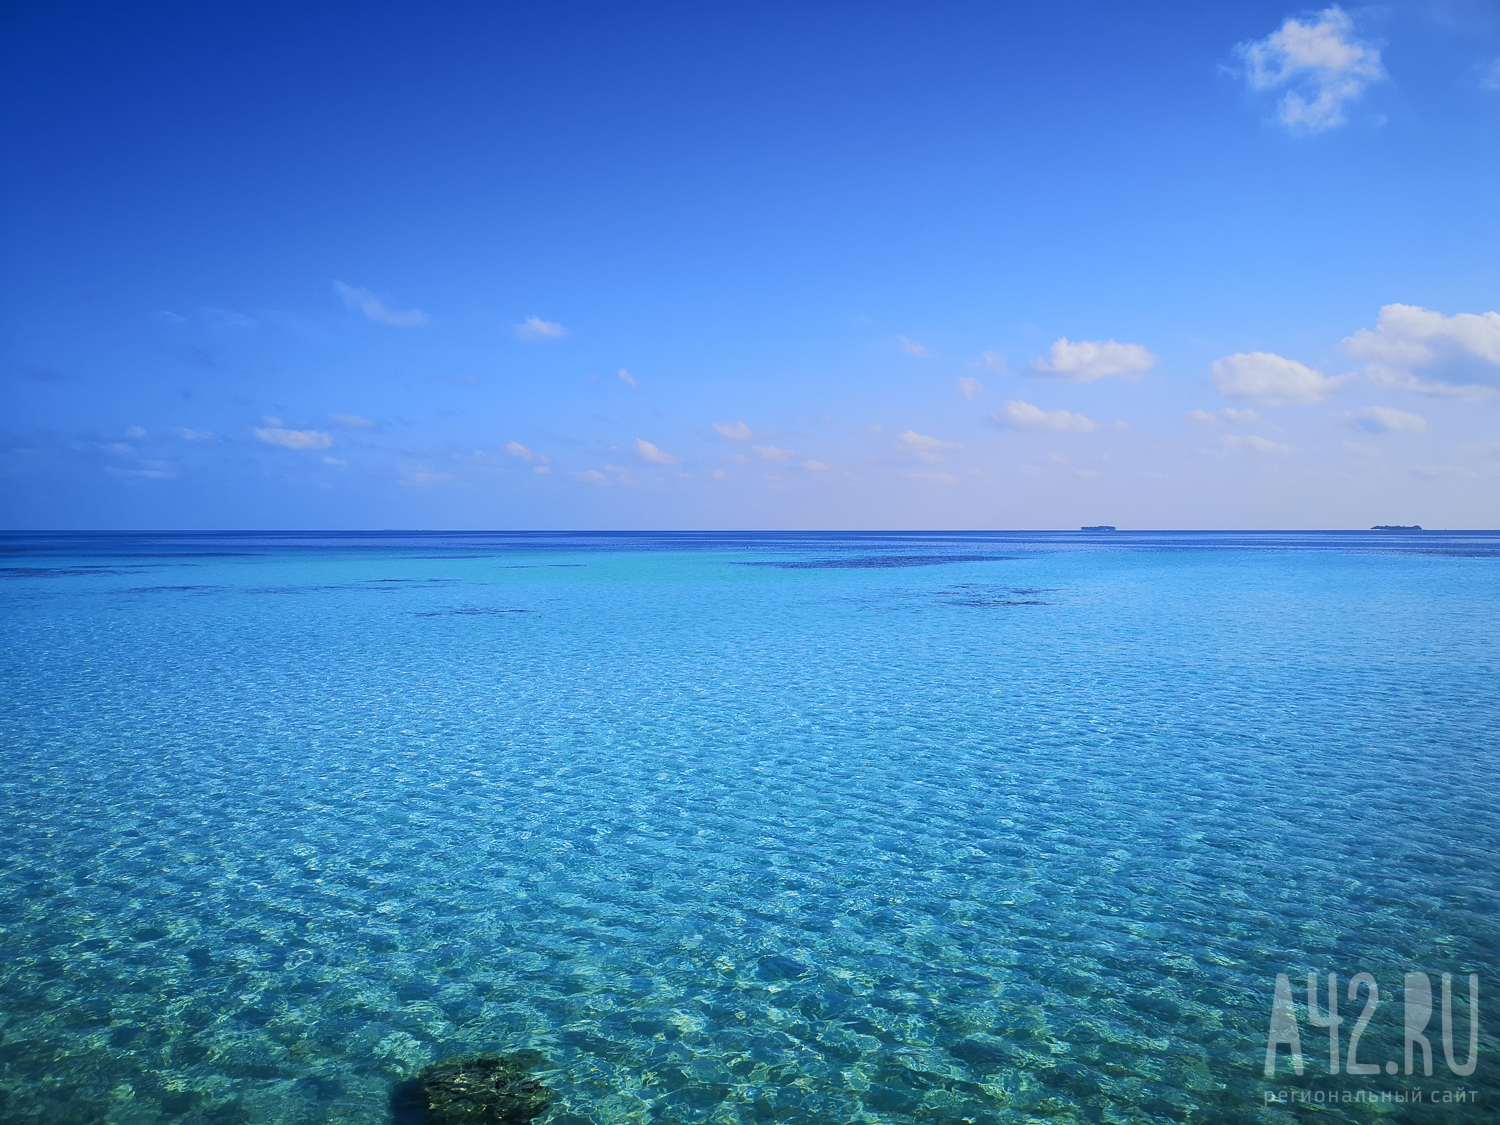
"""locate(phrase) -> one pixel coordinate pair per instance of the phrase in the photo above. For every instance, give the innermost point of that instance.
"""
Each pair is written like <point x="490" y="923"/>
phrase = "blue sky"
<point x="762" y="265"/>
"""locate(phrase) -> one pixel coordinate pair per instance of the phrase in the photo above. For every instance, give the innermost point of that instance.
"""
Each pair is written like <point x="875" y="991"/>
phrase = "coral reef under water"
<point x="474" y="1090"/>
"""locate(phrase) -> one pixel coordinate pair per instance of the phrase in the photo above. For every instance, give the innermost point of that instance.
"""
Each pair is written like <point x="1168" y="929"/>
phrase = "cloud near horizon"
<point x="773" y="452"/>
<point x="1026" y="416"/>
<point x="352" y="422"/>
<point x="1409" y="337"/>
<point x="516" y="449"/>
<point x="1272" y="380"/>
<point x="376" y="309"/>
<point x="535" y="328"/>
<point x="294" y="439"/>
<point x="1320" y="65"/>
<point x="649" y="452"/>
<point x="1090" y="360"/>
<point x="1253" y="444"/>
<point x="925" y="446"/>
<point x="931" y="478"/>
<point x="734" y="431"/>
<point x="1228" y="414"/>
<point x="1386" y="419"/>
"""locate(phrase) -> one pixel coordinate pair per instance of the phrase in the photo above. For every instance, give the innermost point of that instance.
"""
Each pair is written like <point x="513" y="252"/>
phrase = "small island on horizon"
<point x="1099" y="527"/>
<point x="1396" y="527"/>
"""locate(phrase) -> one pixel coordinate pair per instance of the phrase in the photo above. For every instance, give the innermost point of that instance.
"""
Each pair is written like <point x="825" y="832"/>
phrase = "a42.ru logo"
<point x="1417" y="1010"/>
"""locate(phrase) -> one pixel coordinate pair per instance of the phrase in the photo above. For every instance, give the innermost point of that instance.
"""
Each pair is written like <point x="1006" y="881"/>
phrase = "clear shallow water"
<point x="1021" y="835"/>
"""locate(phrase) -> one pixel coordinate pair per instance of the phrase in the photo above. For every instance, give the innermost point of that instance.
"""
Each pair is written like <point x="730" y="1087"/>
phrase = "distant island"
<point x="1098" y="527"/>
<point x="1391" y="527"/>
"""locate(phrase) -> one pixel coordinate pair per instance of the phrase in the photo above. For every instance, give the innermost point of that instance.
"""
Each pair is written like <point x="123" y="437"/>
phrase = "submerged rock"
<point x="482" y="1090"/>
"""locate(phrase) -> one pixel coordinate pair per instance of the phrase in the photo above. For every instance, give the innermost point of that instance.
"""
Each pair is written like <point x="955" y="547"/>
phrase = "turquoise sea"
<point x="803" y="828"/>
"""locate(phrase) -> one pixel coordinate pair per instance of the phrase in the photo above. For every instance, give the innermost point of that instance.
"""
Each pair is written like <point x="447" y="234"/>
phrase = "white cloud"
<point x="734" y="431"/>
<point x="1491" y="79"/>
<point x="541" y="469"/>
<point x="425" y="476"/>
<point x="814" y="466"/>
<point x="1271" y="379"/>
<point x="649" y="452"/>
<point x="1088" y="360"/>
<point x="718" y="474"/>
<point x="911" y="347"/>
<point x="1408" y="337"/>
<point x="1252" y="443"/>
<point x="156" y="470"/>
<point x="135" y="432"/>
<point x="535" y="328"/>
<point x="216" y="317"/>
<point x="628" y="379"/>
<point x="925" y="446"/>
<point x="995" y="360"/>
<point x="294" y="439"/>
<point x="1436" y="472"/>
<point x="376" y="309"/>
<point x="516" y="449"/>
<point x="1384" y="420"/>
<point x="1025" y="416"/>
<point x="351" y="421"/>
<point x="930" y="478"/>
<point x="971" y="387"/>
<point x="1228" y="414"/>
<point x="591" y="476"/>
<point x="196" y="435"/>
<point x="773" y="453"/>
<point x="1320" y="65"/>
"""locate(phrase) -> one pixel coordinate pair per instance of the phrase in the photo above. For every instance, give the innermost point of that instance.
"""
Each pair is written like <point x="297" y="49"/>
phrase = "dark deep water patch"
<point x="877" y="562"/>
<point x="474" y="611"/>
<point x="168" y="590"/>
<point x="973" y="594"/>
<point x="67" y="571"/>
<point x="995" y="601"/>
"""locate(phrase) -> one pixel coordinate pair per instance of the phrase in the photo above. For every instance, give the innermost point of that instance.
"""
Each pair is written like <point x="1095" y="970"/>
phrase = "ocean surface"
<point x="803" y="828"/>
